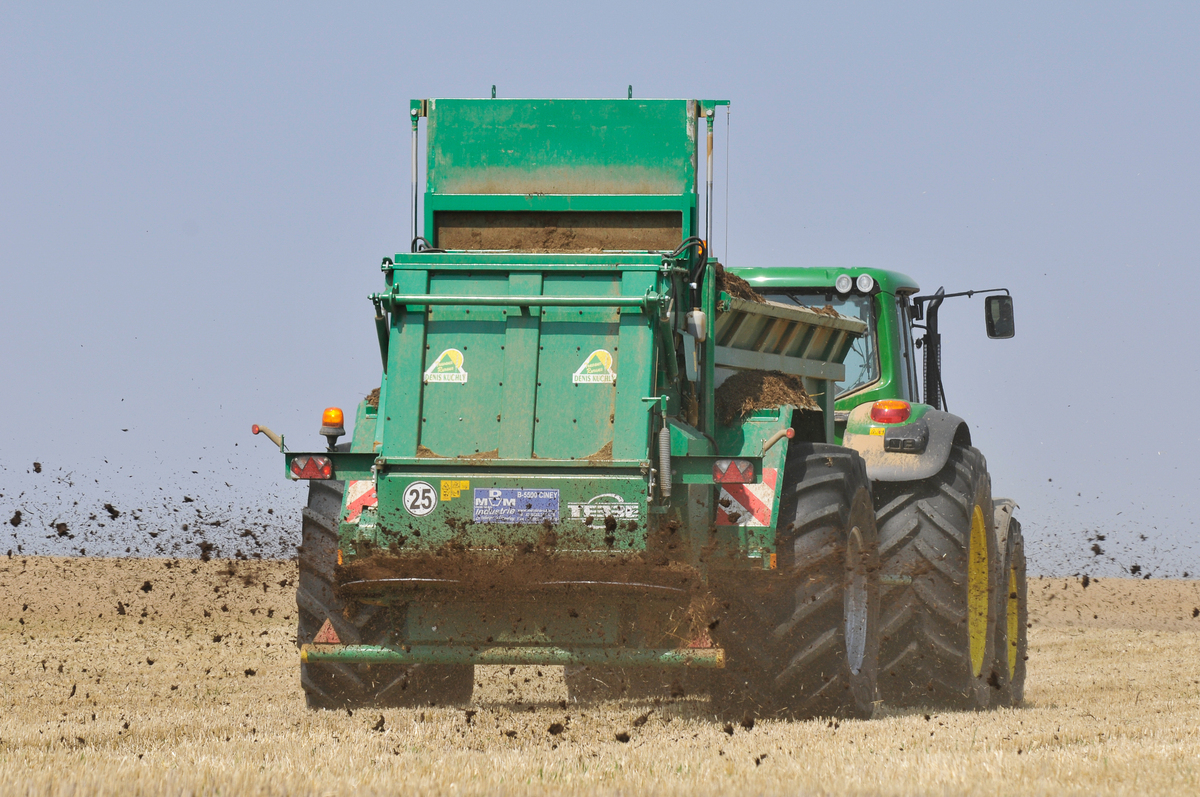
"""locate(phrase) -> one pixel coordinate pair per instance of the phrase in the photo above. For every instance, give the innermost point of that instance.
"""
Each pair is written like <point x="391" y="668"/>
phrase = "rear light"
<point x="733" y="471"/>
<point x="890" y="411"/>
<point x="312" y="468"/>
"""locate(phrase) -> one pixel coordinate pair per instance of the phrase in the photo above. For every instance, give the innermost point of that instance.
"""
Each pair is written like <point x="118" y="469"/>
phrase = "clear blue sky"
<point x="194" y="203"/>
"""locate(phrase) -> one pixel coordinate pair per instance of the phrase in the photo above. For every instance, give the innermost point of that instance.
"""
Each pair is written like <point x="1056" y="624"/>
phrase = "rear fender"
<point x="945" y="432"/>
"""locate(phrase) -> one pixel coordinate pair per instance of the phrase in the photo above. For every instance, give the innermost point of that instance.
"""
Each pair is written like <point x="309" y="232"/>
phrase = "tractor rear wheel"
<point x="357" y="685"/>
<point x="939" y="594"/>
<point x="803" y="641"/>
<point x="1012" y="627"/>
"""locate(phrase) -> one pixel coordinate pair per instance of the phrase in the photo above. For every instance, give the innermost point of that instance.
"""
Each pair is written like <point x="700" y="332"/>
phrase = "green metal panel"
<point x="575" y="418"/>
<point x="454" y="521"/>
<point x="406" y="357"/>
<point x="462" y="418"/>
<point x="461" y="654"/>
<point x="561" y="146"/>
<point x="522" y="340"/>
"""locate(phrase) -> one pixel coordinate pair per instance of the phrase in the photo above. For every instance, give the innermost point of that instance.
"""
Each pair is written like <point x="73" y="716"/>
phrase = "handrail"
<point x="396" y="300"/>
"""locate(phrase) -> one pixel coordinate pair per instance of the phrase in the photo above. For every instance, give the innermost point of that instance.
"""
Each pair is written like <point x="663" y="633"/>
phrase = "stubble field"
<point x="159" y="676"/>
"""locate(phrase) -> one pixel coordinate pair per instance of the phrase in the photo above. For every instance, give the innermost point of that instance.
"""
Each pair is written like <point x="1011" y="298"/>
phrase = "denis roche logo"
<point x="596" y="369"/>
<point x="603" y="506"/>
<point x="448" y="367"/>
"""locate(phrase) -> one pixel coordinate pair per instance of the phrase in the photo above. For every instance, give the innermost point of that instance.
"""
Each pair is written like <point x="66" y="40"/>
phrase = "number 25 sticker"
<point x="420" y="498"/>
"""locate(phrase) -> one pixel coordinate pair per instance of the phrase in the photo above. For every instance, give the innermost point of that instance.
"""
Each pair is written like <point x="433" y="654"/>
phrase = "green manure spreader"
<point x="593" y="446"/>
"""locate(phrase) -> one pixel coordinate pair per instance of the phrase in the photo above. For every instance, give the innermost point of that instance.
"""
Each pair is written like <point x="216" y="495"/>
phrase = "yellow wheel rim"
<point x="1014" y="621"/>
<point x="977" y="590"/>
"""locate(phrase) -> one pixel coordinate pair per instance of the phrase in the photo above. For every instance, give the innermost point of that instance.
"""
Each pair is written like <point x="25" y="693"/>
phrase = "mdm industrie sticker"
<point x="514" y="505"/>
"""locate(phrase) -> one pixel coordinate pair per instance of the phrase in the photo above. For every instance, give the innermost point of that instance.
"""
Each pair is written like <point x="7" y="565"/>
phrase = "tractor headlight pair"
<point x="845" y="282"/>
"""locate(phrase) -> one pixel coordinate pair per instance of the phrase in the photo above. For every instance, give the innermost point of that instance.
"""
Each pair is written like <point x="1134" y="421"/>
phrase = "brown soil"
<point x="424" y="452"/>
<point x="373" y="398"/>
<point x="603" y="455"/>
<point x="582" y="232"/>
<point x="826" y="310"/>
<point x="191" y="687"/>
<point x="736" y="286"/>
<point x="746" y="391"/>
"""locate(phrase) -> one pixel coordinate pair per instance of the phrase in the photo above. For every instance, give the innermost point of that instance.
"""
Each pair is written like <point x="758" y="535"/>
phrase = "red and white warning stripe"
<point x="747" y="504"/>
<point x="359" y="494"/>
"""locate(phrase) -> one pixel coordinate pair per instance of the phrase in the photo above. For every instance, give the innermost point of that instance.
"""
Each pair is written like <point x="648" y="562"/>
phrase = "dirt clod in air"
<point x="622" y="737"/>
<point x="37" y="467"/>
<point x="112" y="511"/>
<point x="15" y="520"/>
<point x="735" y="286"/>
<point x="747" y="391"/>
<point x="146" y="587"/>
<point x="379" y="726"/>
<point x="556" y="728"/>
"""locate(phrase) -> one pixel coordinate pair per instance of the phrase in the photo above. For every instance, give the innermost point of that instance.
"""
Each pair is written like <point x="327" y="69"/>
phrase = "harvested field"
<point x="159" y="676"/>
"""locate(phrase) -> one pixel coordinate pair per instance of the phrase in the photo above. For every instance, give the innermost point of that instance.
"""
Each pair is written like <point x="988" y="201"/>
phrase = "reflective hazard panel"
<point x="747" y="504"/>
<point x="327" y="636"/>
<point x="359" y="494"/>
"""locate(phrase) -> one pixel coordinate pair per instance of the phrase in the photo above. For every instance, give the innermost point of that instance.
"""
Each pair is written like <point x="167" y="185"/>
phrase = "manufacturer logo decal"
<point x="420" y="499"/>
<point x="498" y="505"/>
<point x="448" y="367"/>
<point x="603" y="506"/>
<point x="596" y="369"/>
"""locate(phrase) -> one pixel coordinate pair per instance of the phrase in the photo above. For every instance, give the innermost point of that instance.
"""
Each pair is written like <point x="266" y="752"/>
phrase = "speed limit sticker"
<point x="420" y="498"/>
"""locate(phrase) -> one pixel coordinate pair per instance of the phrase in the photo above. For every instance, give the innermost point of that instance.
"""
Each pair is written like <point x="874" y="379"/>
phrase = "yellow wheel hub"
<point x="977" y="591"/>
<point x="1014" y="621"/>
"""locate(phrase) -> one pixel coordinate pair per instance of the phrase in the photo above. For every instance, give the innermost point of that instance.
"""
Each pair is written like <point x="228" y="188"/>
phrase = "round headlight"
<point x="843" y="283"/>
<point x="865" y="283"/>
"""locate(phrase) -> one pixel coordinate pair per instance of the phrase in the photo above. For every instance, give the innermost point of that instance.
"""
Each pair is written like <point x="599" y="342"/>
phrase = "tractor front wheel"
<point x="940" y="587"/>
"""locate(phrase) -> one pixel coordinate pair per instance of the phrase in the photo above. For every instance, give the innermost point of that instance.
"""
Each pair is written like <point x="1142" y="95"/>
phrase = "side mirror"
<point x="998" y="315"/>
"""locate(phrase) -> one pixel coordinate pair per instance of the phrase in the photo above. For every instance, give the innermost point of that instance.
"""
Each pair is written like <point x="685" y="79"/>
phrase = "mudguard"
<point x="944" y="432"/>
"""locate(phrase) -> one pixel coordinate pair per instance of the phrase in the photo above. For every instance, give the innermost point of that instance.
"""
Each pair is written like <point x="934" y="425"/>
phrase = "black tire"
<point x="337" y="686"/>
<point x="940" y="587"/>
<point x="804" y="641"/>
<point x="1012" y="626"/>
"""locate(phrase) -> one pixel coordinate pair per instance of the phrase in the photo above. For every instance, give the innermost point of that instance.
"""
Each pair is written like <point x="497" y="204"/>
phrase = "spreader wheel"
<point x="357" y="685"/>
<point x="803" y="640"/>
